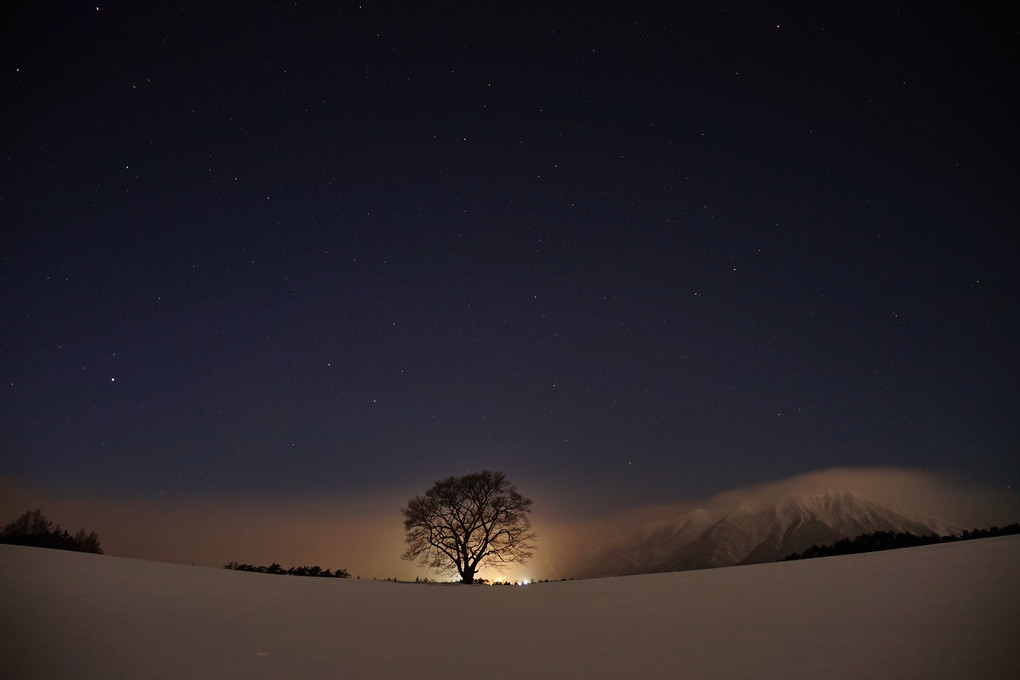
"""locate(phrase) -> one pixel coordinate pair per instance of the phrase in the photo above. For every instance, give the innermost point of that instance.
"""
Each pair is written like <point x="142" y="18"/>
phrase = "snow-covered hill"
<point x="757" y="530"/>
<point x="941" y="611"/>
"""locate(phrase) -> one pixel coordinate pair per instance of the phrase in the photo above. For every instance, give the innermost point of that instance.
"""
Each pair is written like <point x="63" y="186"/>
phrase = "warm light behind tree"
<point x="465" y="523"/>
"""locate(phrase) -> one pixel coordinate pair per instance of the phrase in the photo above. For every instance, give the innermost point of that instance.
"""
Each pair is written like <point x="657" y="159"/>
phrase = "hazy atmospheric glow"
<point x="365" y="536"/>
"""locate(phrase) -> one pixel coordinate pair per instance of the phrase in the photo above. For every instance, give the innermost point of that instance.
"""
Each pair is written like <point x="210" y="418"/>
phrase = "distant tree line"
<point x="275" y="568"/>
<point x="890" y="540"/>
<point x="33" y="529"/>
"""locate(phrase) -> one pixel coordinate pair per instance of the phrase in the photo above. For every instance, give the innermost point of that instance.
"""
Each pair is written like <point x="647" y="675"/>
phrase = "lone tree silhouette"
<point x="465" y="523"/>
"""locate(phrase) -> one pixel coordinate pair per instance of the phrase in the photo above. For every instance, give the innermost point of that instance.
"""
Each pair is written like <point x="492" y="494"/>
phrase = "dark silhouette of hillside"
<point x="891" y="540"/>
<point x="33" y="529"/>
<point x="275" y="568"/>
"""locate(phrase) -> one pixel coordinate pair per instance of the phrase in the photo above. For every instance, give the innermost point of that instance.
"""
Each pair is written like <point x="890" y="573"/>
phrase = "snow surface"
<point x="943" y="611"/>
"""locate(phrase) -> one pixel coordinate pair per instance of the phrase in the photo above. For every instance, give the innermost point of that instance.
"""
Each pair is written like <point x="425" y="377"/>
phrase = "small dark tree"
<point x="465" y="523"/>
<point x="31" y="523"/>
<point x="87" y="542"/>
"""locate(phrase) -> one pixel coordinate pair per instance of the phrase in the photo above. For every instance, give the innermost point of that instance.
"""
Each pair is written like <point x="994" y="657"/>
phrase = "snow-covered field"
<point x="944" y="611"/>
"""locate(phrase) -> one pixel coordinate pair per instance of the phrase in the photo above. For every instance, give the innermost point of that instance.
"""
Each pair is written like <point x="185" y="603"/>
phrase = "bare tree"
<point x="465" y="523"/>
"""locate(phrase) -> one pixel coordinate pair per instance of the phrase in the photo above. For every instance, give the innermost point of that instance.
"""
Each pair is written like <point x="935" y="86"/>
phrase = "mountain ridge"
<point x="755" y="531"/>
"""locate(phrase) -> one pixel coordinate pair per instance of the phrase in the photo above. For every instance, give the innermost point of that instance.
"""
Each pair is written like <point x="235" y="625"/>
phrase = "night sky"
<point x="626" y="253"/>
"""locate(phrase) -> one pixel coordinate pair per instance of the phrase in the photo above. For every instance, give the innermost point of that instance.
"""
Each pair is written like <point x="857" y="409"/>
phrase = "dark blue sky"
<point x="628" y="253"/>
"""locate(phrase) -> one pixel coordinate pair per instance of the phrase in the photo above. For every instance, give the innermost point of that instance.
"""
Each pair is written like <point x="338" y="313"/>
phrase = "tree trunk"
<point x="467" y="575"/>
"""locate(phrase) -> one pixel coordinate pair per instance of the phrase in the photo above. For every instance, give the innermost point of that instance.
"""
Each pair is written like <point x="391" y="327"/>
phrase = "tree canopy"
<point x="465" y="523"/>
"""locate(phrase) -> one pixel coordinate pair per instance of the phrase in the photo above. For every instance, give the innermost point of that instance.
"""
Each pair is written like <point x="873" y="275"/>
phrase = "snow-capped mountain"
<point x="643" y="549"/>
<point x="755" y="531"/>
